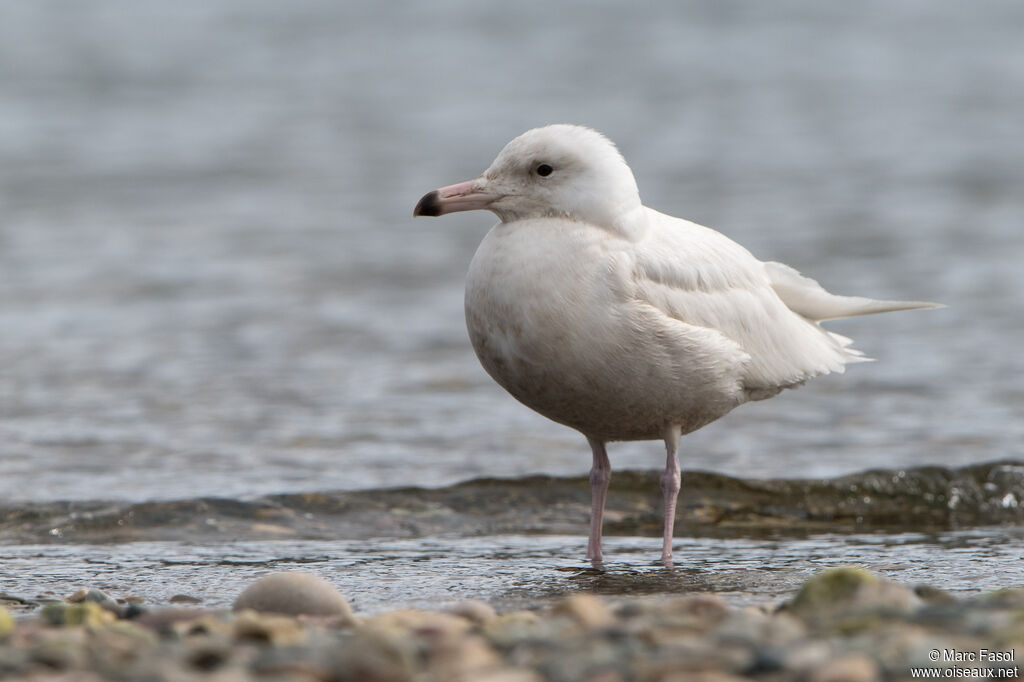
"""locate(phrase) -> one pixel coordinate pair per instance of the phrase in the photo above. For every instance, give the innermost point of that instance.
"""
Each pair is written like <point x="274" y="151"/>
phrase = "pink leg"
<point x="670" y="481"/>
<point x="600" y="476"/>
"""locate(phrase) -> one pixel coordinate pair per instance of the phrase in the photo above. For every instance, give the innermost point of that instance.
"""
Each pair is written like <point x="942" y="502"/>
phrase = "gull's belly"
<point x="551" y="319"/>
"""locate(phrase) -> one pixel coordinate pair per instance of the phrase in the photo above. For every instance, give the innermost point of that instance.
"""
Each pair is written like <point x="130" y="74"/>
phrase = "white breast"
<point x="553" y="313"/>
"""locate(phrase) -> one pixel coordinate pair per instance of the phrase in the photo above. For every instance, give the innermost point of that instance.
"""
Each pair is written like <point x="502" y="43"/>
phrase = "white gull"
<point x="625" y="323"/>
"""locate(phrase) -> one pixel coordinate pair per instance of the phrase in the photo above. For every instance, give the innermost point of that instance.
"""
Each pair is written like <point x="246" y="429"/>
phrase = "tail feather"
<point x="806" y="297"/>
<point x="851" y="354"/>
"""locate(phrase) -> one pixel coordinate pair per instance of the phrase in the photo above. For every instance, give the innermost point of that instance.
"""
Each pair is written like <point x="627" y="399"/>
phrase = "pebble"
<point x="694" y="638"/>
<point x="294" y="593"/>
<point x="463" y="658"/>
<point x="831" y="587"/>
<point x="170" y="621"/>
<point x="417" y="623"/>
<point x="263" y="627"/>
<point x="475" y="611"/>
<point x="933" y="595"/>
<point x="698" y="612"/>
<point x="15" y="602"/>
<point x="509" y="628"/>
<point x="208" y="654"/>
<point x="806" y="656"/>
<point x="98" y="597"/>
<point x="854" y="591"/>
<point x="703" y="676"/>
<point x="59" y="653"/>
<point x="6" y="622"/>
<point x="1010" y="596"/>
<point x="86" y="613"/>
<point x="372" y="656"/>
<point x="850" y="668"/>
<point x="586" y="610"/>
<point x="754" y="626"/>
<point x="510" y="675"/>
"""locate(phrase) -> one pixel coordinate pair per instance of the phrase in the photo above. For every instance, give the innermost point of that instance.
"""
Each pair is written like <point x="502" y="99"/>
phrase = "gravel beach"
<point x="843" y="624"/>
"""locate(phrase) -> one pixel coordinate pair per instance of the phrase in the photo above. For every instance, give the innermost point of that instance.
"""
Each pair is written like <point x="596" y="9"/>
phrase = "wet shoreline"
<point x="840" y="624"/>
<point x="922" y="499"/>
<point x="520" y="543"/>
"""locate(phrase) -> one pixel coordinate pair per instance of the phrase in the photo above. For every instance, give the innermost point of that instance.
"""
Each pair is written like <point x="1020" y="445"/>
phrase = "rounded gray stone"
<point x="294" y="593"/>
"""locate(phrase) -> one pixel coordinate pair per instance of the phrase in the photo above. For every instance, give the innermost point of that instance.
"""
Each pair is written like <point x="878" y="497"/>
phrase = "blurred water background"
<point x="211" y="283"/>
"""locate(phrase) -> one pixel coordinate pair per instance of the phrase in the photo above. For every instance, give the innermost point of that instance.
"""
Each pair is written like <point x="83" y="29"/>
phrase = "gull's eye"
<point x="544" y="170"/>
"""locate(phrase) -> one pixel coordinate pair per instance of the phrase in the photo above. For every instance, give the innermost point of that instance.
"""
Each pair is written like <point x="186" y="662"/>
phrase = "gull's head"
<point x="564" y="171"/>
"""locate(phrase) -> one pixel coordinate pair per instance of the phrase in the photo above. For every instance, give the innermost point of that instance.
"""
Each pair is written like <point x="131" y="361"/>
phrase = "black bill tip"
<point x="429" y="205"/>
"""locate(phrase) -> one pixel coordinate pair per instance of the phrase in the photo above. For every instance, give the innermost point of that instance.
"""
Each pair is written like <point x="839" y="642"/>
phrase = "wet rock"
<point x="102" y="599"/>
<point x="934" y="595"/>
<point x="6" y="622"/>
<point x="831" y="587"/>
<point x="295" y="593"/>
<point x="89" y="614"/>
<point x="185" y="599"/>
<point x="852" y="589"/>
<point x="12" y="601"/>
<point x="923" y="498"/>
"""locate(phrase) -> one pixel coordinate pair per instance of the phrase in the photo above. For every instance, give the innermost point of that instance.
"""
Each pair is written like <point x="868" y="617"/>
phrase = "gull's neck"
<point x="632" y="223"/>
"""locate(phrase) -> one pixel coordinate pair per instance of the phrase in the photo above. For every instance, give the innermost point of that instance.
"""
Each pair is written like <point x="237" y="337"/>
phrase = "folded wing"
<point x="806" y="297"/>
<point x="701" y="278"/>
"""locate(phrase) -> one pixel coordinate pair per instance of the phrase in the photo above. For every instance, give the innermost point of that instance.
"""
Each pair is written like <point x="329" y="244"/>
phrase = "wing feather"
<point x="806" y="297"/>
<point x="702" y="278"/>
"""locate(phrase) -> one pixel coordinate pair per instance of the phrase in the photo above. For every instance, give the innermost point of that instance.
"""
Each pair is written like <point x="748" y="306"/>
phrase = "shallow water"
<point x="513" y="571"/>
<point x="211" y="283"/>
<point x="750" y="541"/>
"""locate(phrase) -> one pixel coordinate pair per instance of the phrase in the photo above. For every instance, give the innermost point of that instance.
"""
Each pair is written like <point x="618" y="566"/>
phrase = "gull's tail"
<point x="806" y="297"/>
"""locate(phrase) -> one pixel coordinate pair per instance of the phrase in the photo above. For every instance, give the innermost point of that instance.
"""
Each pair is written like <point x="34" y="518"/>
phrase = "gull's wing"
<point x="806" y="297"/>
<point x="701" y="278"/>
